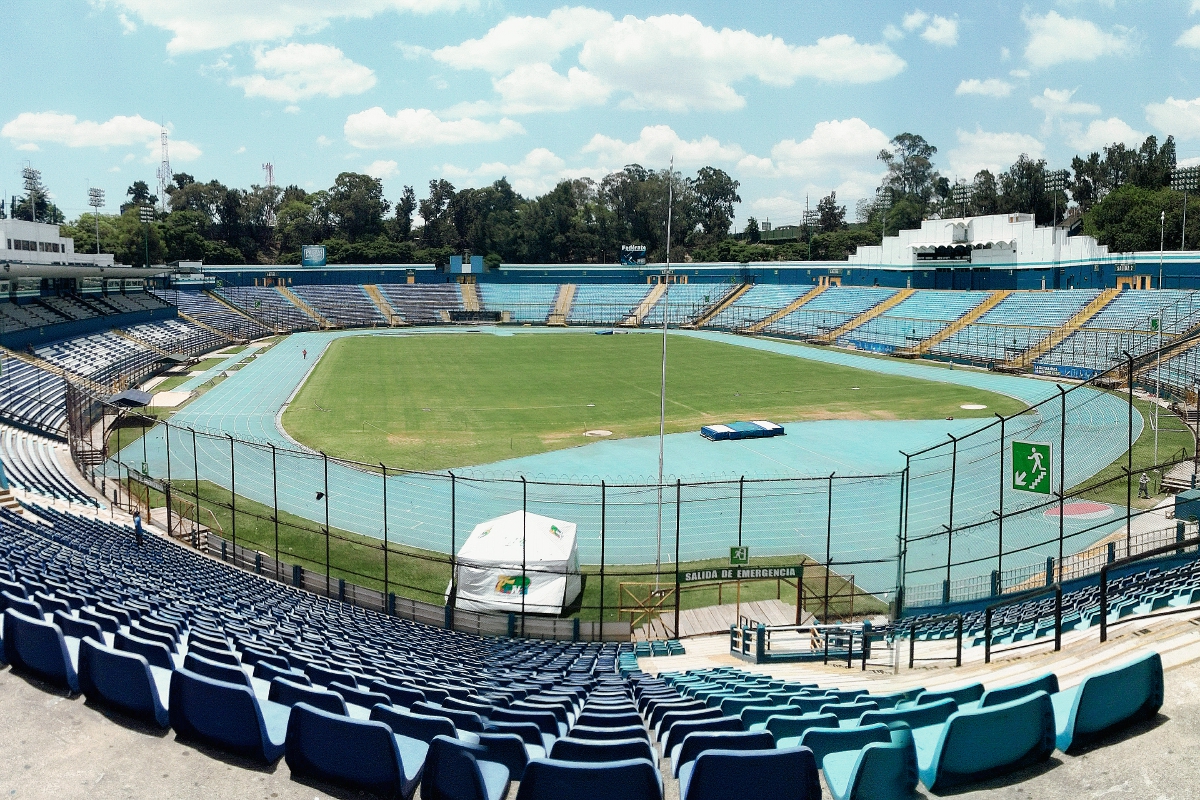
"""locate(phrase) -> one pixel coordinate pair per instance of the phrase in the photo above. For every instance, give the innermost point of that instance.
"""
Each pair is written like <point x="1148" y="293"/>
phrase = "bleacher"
<point x="756" y="304"/>
<point x="268" y="306"/>
<point x="605" y="303"/>
<point x="103" y="357"/>
<point x="1016" y="324"/>
<point x="348" y="306"/>
<point x="30" y="396"/>
<point x="140" y="301"/>
<point x="686" y="301"/>
<point x="177" y="336"/>
<point x="422" y="303"/>
<point x="33" y="463"/>
<point x="913" y="320"/>
<point x="201" y="307"/>
<point x="829" y="310"/>
<point x="527" y="302"/>
<point x="69" y="307"/>
<point x="18" y="316"/>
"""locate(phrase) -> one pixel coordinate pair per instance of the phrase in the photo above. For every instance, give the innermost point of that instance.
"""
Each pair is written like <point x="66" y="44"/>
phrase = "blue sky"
<point x="791" y="99"/>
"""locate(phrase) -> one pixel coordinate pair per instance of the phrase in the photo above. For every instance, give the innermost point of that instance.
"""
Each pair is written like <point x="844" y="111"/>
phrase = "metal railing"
<point x="917" y="624"/>
<point x="1056" y="588"/>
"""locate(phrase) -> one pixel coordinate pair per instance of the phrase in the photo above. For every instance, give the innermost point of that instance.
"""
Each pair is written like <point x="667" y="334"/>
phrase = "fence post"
<point x="196" y="478"/>
<point x="1129" y="463"/>
<point x="1000" y="515"/>
<point x="167" y="433"/>
<point x="524" y="519"/>
<point x="1179" y="535"/>
<point x="275" y="507"/>
<point x="385" y="535"/>
<point x="233" y="497"/>
<point x="325" y="461"/>
<point x="678" y="484"/>
<point x="945" y="592"/>
<point x="603" y="521"/>
<point x="453" y="540"/>
<point x="1049" y="570"/>
<point x="995" y="583"/>
<point x="741" y="498"/>
<point x="1112" y="552"/>
<point x="828" y="558"/>
<point x="799" y="593"/>
<point x="1062" y="476"/>
<point x="898" y="606"/>
<point x="1058" y="618"/>
<point x="912" y="644"/>
<point x="950" y="526"/>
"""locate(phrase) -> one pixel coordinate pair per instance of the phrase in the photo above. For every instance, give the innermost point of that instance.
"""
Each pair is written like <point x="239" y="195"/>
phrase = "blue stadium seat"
<point x="961" y="695"/>
<point x="38" y="647"/>
<point x="680" y="730"/>
<point x="288" y="693"/>
<point x="785" y="774"/>
<point x="455" y="770"/>
<point x="1047" y="683"/>
<point x="219" y="672"/>
<point x="786" y="726"/>
<point x="1108" y="700"/>
<point x="980" y="744"/>
<point x="125" y="681"/>
<point x="571" y="749"/>
<point x="359" y="754"/>
<point x="921" y="716"/>
<point x="879" y="771"/>
<point x="227" y="716"/>
<point x="546" y="779"/>
<point x="696" y="743"/>
<point x="609" y="734"/>
<point x="78" y="628"/>
<point x="823" y="741"/>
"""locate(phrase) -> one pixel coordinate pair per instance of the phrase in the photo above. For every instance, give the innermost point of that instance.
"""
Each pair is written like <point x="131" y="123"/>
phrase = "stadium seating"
<point x="1017" y="323"/>
<point x="786" y="773"/>
<point x="606" y="303"/>
<point x="32" y="463"/>
<point x="199" y="306"/>
<point x="880" y="770"/>
<point x="30" y="396"/>
<point x="103" y="357"/>
<point x="633" y="779"/>
<point x="757" y="303"/>
<point x="687" y="301"/>
<point x="455" y="770"/>
<point x="125" y="681"/>
<point x="422" y="303"/>
<point x="829" y="310"/>
<point x="345" y="305"/>
<point x="1107" y="700"/>
<point x="916" y="318"/>
<point x="269" y="306"/>
<point x="525" y="302"/>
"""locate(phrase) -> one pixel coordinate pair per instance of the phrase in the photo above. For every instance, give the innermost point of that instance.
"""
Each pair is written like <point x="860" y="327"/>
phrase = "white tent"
<point x="489" y="565"/>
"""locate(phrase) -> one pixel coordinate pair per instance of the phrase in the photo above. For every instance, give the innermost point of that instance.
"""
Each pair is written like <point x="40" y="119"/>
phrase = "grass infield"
<point x="442" y="401"/>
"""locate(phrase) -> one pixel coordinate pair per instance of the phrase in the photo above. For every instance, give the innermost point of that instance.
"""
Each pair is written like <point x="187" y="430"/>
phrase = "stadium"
<point x="315" y="445"/>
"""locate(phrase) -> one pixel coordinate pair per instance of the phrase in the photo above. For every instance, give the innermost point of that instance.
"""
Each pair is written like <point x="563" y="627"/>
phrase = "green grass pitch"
<point x="442" y="401"/>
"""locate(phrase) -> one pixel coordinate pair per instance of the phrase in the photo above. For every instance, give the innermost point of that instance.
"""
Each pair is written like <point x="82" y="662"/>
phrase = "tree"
<point x="715" y="194"/>
<point x="1023" y="190"/>
<point x="139" y="195"/>
<point x="438" y="230"/>
<point x="355" y="206"/>
<point x="832" y="216"/>
<point x="752" y="232"/>
<point x="910" y="166"/>
<point x="985" y="197"/>
<point x="404" y="214"/>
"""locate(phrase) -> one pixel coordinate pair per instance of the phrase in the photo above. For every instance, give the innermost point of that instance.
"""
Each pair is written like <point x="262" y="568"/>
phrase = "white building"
<point x="39" y="243"/>
<point x="1000" y="240"/>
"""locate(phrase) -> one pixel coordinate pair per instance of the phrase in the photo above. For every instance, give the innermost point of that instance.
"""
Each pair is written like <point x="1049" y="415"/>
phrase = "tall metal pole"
<point x="233" y="498"/>
<point x="1000" y="516"/>
<point x="196" y="478"/>
<point x="325" y="460"/>
<point x="1162" y="233"/>
<point x="603" y="525"/>
<point x="1129" y="465"/>
<point x="828" y="545"/>
<point x="275" y="507"/>
<point x="524" y="519"/>
<point x="662" y="388"/>
<point x="383" y="467"/>
<point x="453" y="538"/>
<point x="1157" y="394"/>
<point x="1062" y="477"/>
<point x="677" y="603"/>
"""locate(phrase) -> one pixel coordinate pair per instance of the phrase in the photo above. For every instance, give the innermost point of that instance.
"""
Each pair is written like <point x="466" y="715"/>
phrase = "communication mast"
<point x="269" y="170"/>
<point x="164" y="172"/>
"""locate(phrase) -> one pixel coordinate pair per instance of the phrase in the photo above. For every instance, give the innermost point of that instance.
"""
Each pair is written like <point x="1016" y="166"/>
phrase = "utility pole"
<point x="662" y="391"/>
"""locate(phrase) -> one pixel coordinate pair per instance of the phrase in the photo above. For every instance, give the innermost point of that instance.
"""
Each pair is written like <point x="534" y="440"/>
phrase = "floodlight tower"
<point x="1185" y="179"/>
<point x="146" y="214"/>
<point x="961" y="194"/>
<point x="269" y="170"/>
<point x="96" y="201"/>
<point x="33" y="185"/>
<point x="1055" y="182"/>
<point x="164" y="172"/>
<point x="883" y="201"/>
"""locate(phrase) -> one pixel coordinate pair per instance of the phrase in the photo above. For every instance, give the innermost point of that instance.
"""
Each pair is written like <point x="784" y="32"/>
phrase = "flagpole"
<point x="662" y="388"/>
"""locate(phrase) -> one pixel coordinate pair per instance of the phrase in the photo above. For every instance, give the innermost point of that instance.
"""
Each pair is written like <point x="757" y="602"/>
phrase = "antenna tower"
<point x="269" y="170"/>
<point x="164" y="172"/>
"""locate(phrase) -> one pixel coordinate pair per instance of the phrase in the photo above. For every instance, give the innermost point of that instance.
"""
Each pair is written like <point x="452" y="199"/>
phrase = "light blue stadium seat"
<point x="1108" y="700"/>
<point x="124" y="681"/>
<point x="878" y="771"/>
<point x="227" y="716"/>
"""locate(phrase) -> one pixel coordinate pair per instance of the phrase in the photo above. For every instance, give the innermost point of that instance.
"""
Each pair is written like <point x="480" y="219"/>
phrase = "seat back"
<point x="546" y="779"/>
<point x="680" y="730"/>
<point x="571" y="749"/>
<point x="609" y="734"/>
<point x="696" y="743"/>
<point x="545" y="721"/>
<point x="219" y="672"/>
<point x="269" y="672"/>
<point x="962" y="695"/>
<point x="121" y="680"/>
<point x="848" y="710"/>
<point x="358" y="696"/>
<point x="360" y="754"/>
<point x="38" y="647"/>
<point x="463" y="720"/>
<point x="528" y="732"/>
<point x="597" y="720"/>
<point x="223" y="714"/>
<point x="722" y="774"/>
<point x="226" y="657"/>
<point x="1047" y="683"/>
<point x="400" y="695"/>
<point x="885" y="770"/>
<point x="1117" y="696"/>
<point x="823" y="741"/>
<point x="79" y="628"/>
<point x="289" y="693"/>
<point x="915" y="716"/>
<point x="981" y="743"/>
<point x="107" y="623"/>
<point x="415" y="726"/>
<point x="29" y="608"/>
<point x="507" y="749"/>
<point x="785" y="726"/>
<point x="452" y="772"/>
<point x="154" y="652"/>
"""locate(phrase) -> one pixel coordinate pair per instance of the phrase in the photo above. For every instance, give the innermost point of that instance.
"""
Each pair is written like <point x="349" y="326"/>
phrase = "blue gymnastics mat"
<point x="759" y="429"/>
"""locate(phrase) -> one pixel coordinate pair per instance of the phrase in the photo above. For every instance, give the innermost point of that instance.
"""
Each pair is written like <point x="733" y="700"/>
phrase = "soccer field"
<point x="442" y="401"/>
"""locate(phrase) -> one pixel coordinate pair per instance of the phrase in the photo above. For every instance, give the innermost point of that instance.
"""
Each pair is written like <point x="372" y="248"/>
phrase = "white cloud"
<point x="836" y="147"/>
<point x="942" y="32"/>
<point x="210" y="24"/>
<point x="180" y="151"/>
<point x="892" y="34"/>
<point x="914" y="20"/>
<point x="526" y="40"/>
<point x="382" y="169"/>
<point x="1190" y="38"/>
<point x="1019" y="73"/>
<point x="655" y="146"/>
<point x="324" y="141"/>
<point x="127" y="25"/>
<point x="1005" y="54"/>
<point x="992" y="87"/>
<point x="991" y="151"/>
<point x="298" y="71"/>
<point x="420" y="127"/>
<point x="31" y="127"/>
<point x="29" y="147"/>
<point x="537" y="87"/>
<point x="1054" y="39"/>
<point x="1102" y="132"/>
<point x="240" y="150"/>
<point x="1195" y="7"/>
<point x="780" y="210"/>
<point x="1056" y="103"/>
<point x="673" y="62"/>
<point x="535" y="174"/>
<point x="1178" y="117"/>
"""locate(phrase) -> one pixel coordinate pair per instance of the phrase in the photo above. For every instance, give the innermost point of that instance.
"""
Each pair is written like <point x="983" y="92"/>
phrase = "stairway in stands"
<point x="470" y="297"/>
<point x="562" y="305"/>
<point x="969" y="318"/>
<point x="722" y="303"/>
<point x="774" y="317"/>
<point x="1060" y="335"/>
<point x="295" y="300"/>
<point x="382" y="304"/>
<point x="643" y="308"/>
<point x="866" y="316"/>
